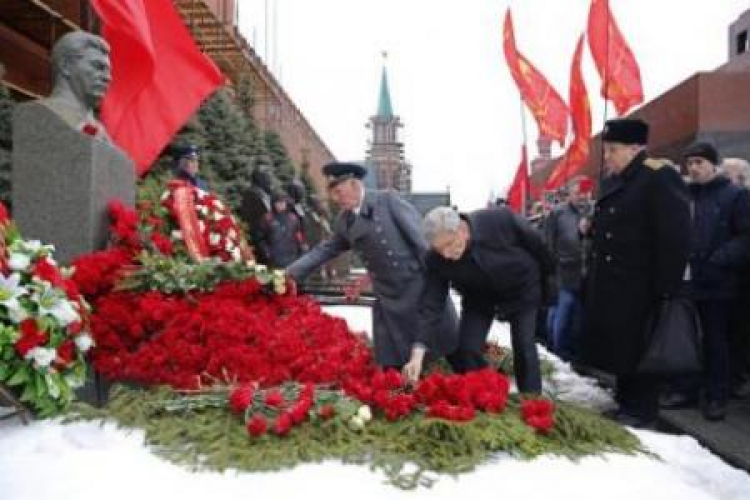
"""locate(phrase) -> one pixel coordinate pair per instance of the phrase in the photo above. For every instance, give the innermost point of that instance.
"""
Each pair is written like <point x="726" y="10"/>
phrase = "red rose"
<point x="274" y="399"/>
<point x="241" y="398"/>
<point x="256" y="425"/>
<point x="327" y="411"/>
<point x="283" y="424"/>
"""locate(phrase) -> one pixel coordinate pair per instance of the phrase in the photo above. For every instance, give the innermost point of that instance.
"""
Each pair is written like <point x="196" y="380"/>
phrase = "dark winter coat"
<point x="564" y="240"/>
<point x="387" y="236"/>
<point x="512" y="261"/>
<point x="280" y="240"/>
<point x="641" y="243"/>
<point x="721" y="238"/>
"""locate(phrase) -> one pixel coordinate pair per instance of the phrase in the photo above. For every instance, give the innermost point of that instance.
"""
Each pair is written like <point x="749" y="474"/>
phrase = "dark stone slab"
<point x="728" y="438"/>
<point x="63" y="180"/>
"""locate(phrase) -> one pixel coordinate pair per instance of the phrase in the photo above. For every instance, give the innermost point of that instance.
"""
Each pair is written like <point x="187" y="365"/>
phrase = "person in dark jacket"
<point x="498" y="263"/>
<point x="640" y="235"/>
<point x="188" y="165"/>
<point x="281" y="240"/>
<point x="565" y="242"/>
<point x="720" y="250"/>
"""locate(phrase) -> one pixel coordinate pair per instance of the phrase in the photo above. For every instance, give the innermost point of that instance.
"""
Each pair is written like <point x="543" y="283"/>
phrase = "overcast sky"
<point x="448" y="78"/>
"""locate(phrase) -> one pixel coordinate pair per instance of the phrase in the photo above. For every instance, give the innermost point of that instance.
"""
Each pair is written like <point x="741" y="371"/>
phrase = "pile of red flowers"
<point x="242" y="334"/>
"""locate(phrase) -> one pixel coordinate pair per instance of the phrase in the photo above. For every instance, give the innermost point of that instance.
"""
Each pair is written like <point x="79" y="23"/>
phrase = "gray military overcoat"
<point x="387" y="237"/>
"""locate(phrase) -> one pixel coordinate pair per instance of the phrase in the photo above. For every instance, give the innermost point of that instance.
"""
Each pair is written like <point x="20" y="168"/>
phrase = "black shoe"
<point x="715" y="410"/>
<point x="637" y="421"/>
<point x="675" y="400"/>
<point x="741" y="391"/>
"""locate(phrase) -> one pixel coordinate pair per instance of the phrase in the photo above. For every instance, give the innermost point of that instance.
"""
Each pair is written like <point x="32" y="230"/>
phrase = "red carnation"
<point x="45" y="270"/>
<point x="162" y="243"/>
<point x="256" y="425"/>
<point x="283" y="424"/>
<point x="31" y="337"/>
<point x="90" y="129"/>
<point x="327" y="411"/>
<point x="274" y="399"/>
<point x="240" y="398"/>
<point x="66" y="353"/>
<point x="543" y="423"/>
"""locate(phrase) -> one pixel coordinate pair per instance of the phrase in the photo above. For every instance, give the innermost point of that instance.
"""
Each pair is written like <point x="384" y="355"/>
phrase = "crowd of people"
<point x="657" y="230"/>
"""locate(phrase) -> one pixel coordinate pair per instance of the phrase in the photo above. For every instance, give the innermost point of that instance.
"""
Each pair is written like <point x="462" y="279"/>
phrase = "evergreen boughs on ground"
<point x="207" y="436"/>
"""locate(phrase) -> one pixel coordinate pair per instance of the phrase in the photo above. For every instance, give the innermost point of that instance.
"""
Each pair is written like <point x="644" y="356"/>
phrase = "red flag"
<point x="549" y="109"/>
<point x="159" y="76"/>
<point x="518" y="192"/>
<point x="578" y="152"/>
<point x="614" y="60"/>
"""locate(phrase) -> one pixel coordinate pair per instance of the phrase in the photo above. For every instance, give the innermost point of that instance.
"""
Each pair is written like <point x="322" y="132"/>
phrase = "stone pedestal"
<point x="63" y="180"/>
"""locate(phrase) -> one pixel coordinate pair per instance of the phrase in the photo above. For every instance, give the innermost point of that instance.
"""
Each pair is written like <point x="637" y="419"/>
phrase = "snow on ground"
<point x="85" y="461"/>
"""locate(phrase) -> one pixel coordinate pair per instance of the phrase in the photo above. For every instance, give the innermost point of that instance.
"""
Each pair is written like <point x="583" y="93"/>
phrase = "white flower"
<point x="232" y="234"/>
<point x="84" y="342"/>
<point x="260" y="268"/>
<point x="18" y="314"/>
<point x="218" y="215"/>
<point x="203" y="210"/>
<point x="53" y="303"/>
<point x="364" y="413"/>
<point x="219" y="205"/>
<point x="177" y="235"/>
<point x="201" y="226"/>
<point x="10" y="290"/>
<point x="165" y="195"/>
<point x="200" y="194"/>
<point x="18" y="261"/>
<point x="214" y="238"/>
<point x="356" y="423"/>
<point x="236" y="253"/>
<point x="42" y="356"/>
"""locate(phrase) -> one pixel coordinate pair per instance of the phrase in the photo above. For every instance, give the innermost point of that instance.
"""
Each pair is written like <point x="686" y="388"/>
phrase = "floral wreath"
<point x="43" y="324"/>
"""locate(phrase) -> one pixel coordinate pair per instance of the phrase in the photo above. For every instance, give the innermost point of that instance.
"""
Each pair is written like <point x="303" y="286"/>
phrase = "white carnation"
<point x="19" y="261"/>
<point x="42" y="356"/>
<point x="84" y="342"/>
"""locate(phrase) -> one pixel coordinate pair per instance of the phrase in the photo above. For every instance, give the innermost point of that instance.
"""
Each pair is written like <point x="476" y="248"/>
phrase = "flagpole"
<point x="526" y="149"/>
<point x="606" y="101"/>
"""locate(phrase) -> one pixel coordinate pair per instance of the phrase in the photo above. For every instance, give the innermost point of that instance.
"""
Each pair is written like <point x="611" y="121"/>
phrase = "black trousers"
<point x="638" y="395"/>
<point x="474" y="326"/>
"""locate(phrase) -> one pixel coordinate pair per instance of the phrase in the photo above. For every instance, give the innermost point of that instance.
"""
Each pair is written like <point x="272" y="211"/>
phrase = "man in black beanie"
<point x="719" y="250"/>
<point x="640" y="243"/>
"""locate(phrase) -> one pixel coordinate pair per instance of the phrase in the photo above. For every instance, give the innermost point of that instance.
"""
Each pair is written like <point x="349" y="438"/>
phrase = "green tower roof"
<point x="385" y="110"/>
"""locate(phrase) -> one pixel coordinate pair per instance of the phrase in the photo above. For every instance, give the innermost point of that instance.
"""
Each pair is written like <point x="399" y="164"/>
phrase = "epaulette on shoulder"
<point x="657" y="163"/>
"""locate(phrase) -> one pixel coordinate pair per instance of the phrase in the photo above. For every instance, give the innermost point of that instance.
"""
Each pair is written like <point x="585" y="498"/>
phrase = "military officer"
<point x="640" y="245"/>
<point x="385" y="231"/>
<point x="188" y="165"/>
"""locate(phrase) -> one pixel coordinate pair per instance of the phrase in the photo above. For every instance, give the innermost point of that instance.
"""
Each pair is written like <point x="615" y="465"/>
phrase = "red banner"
<point x="548" y="108"/>
<point x="614" y="60"/>
<point x="578" y="152"/>
<point x="159" y="76"/>
<point x="519" y="190"/>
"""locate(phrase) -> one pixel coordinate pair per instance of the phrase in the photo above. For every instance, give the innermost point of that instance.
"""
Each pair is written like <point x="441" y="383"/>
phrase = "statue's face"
<point x="89" y="74"/>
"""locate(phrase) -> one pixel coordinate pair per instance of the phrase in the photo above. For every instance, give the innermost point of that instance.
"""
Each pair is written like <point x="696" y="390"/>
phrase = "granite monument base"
<point x="63" y="180"/>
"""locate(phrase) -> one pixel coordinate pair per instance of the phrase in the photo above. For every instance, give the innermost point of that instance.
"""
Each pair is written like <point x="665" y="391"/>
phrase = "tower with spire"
<point x="385" y="156"/>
